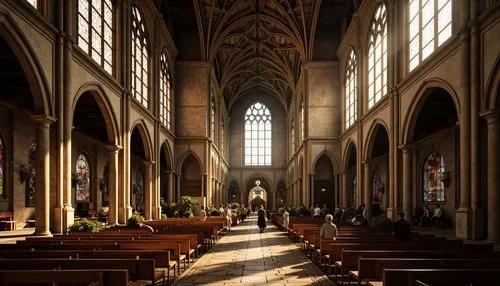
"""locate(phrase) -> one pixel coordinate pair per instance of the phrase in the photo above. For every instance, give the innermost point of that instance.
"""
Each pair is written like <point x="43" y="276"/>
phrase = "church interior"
<point x="124" y="107"/>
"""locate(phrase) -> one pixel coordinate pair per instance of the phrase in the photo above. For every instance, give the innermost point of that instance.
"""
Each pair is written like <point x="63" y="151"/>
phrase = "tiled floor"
<point x="246" y="257"/>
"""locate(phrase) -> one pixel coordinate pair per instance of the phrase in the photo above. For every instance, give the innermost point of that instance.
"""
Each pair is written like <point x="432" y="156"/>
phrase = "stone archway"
<point x="259" y="183"/>
<point x="351" y="197"/>
<point x="140" y="196"/>
<point x="324" y="183"/>
<point x="166" y="176"/>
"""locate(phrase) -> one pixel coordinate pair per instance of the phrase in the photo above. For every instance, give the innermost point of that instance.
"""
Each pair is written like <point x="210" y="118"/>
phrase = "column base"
<point x="157" y="211"/>
<point x="124" y="214"/>
<point x="68" y="217"/>
<point x="58" y="220"/>
<point x="463" y="222"/>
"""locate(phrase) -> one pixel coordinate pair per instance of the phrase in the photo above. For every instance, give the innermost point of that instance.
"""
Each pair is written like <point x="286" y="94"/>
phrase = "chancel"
<point x="222" y="141"/>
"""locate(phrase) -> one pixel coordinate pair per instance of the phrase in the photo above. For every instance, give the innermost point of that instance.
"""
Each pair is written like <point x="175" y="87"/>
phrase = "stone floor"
<point x="246" y="257"/>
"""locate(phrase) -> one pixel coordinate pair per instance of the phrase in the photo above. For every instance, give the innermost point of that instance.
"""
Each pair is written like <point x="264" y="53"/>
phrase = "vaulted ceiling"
<point x="254" y="44"/>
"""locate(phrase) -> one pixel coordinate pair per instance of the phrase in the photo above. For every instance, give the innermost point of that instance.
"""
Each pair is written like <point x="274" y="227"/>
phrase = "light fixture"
<point x="323" y="190"/>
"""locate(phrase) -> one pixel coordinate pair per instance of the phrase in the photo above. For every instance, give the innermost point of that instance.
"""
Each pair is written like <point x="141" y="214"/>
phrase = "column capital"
<point x="406" y="147"/>
<point x="366" y="162"/>
<point x="492" y="116"/>
<point x="43" y="119"/>
<point x="148" y="163"/>
<point x="114" y="148"/>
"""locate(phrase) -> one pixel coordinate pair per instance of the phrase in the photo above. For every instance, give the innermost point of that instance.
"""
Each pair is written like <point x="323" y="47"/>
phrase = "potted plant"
<point x="135" y="220"/>
<point x="85" y="225"/>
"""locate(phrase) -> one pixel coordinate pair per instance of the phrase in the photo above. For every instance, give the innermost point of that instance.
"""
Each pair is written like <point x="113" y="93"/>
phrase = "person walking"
<point x="261" y="218"/>
<point x="286" y="219"/>
<point x="243" y="213"/>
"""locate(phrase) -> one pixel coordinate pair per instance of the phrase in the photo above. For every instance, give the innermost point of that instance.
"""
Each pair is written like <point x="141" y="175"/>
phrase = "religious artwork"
<point x="2" y="170"/>
<point x="82" y="184"/>
<point x="377" y="188"/>
<point x="30" y="180"/>
<point x="137" y="200"/>
<point x="433" y="178"/>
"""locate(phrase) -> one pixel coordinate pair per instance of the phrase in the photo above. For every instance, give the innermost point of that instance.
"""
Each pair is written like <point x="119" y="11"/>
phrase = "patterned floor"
<point x="246" y="257"/>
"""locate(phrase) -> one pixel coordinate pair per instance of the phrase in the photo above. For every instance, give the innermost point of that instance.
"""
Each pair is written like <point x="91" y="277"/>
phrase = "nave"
<point x="246" y="257"/>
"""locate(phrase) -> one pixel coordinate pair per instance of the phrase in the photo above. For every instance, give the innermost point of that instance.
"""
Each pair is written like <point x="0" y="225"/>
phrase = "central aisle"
<point x="246" y="256"/>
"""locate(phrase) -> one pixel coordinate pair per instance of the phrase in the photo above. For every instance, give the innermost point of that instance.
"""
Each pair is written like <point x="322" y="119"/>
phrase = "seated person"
<point x="424" y="219"/>
<point x="436" y="218"/>
<point x="402" y="228"/>
<point x="328" y="229"/>
<point x="317" y="211"/>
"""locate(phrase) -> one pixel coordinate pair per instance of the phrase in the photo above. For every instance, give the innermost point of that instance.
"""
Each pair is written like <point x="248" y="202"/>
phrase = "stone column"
<point x="311" y="176"/>
<point x="148" y="190"/>
<point x="493" y="119"/>
<point x="203" y="189"/>
<point x="368" y="190"/>
<point x="345" y="188"/>
<point x="178" y="187"/>
<point x="113" y="151"/>
<point x="170" y="187"/>
<point x="42" y="180"/>
<point x="407" y="190"/>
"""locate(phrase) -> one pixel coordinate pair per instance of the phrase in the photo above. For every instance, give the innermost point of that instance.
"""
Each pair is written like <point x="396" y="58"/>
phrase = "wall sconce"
<point x="446" y="179"/>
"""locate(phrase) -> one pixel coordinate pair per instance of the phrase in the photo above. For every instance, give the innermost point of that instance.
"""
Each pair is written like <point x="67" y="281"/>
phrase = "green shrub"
<point x="135" y="220"/>
<point x="257" y="202"/>
<point x="170" y="210"/>
<point x="214" y="212"/>
<point x="304" y="212"/>
<point x="163" y="216"/>
<point x="292" y="211"/>
<point x="85" y="225"/>
<point x="186" y="206"/>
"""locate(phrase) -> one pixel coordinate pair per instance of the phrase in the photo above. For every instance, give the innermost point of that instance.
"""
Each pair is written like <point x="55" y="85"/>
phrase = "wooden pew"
<point x="476" y="277"/>
<point x="138" y="269"/>
<point x="79" y="277"/>
<point x="372" y="268"/>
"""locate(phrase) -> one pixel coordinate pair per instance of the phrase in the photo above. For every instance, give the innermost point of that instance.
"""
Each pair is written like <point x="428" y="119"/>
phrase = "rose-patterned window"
<point x="82" y="184"/>
<point x="433" y="177"/>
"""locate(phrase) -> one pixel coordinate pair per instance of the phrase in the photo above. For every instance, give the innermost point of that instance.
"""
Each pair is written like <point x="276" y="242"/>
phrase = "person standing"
<point x="286" y="219"/>
<point x="243" y="213"/>
<point x="402" y="228"/>
<point x="328" y="229"/>
<point x="261" y="218"/>
<point x="228" y="215"/>
<point x="203" y="214"/>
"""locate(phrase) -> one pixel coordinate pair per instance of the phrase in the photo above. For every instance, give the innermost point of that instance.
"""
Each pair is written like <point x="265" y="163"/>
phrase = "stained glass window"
<point x="433" y="177"/>
<point x="429" y="25"/>
<point x="2" y="170"/>
<point x="354" y="191"/>
<point x="95" y="31"/>
<point x="351" y="87"/>
<point x="31" y="177"/>
<point x="140" y="59"/>
<point x="258" y="135"/>
<point x="165" y="92"/>
<point x="82" y="184"/>
<point x="377" y="57"/>
<point x="212" y="120"/>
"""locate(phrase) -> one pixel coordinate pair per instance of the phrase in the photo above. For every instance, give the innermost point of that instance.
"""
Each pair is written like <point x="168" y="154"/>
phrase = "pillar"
<point x="148" y="190"/>
<point x="113" y="151"/>
<point x="170" y="187"/>
<point x="42" y="180"/>
<point x="178" y="187"/>
<point x="407" y="191"/>
<point x="493" y="198"/>
<point x="368" y="190"/>
<point x="345" y="188"/>
<point x="311" y="178"/>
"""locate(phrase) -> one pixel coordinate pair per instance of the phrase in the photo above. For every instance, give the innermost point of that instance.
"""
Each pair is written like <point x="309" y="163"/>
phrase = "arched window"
<point x="95" y="31"/>
<point x="165" y="92"/>
<point x="2" y="170"/>
<point x="377" y="57"/>
<point x="293" y="135"/>
<point x="258" y="135"/>
<point x="31" y="177"/>
<point x="429" y="25"/>
<point x="302" y="121"/>
<point x="433" y="177"/>
<point x="82" y="184"/>
<point x="351" y="90"/>
<point x="212" y="119"/>
<point x="140" y="59"/>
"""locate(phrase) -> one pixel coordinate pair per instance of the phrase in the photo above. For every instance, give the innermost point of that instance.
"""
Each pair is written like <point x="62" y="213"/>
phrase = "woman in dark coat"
<point x="261" y="220"/>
